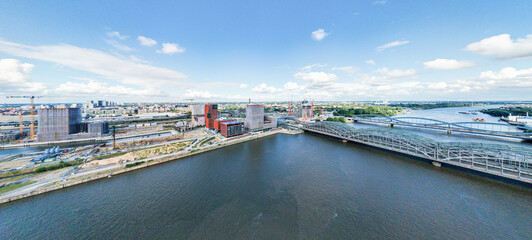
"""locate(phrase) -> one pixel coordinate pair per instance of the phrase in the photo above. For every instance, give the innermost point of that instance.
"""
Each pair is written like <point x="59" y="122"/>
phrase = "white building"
<point x="198" y="115"/>
<point x="256" y="120"/>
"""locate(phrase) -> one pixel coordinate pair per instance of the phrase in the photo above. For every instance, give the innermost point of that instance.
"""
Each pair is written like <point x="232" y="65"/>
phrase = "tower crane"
<point x="32" y="125"/>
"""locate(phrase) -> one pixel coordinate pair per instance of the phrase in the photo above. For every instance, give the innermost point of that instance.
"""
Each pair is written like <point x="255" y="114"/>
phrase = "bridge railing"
<point x="509" y="161"/>
<point x="479" y="127"/>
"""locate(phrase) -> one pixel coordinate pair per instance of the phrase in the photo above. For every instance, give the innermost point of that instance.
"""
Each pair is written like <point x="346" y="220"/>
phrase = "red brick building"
<point x="218" y="121"/>
<point x="211" y="114"/>
<point x="231" y="128"/>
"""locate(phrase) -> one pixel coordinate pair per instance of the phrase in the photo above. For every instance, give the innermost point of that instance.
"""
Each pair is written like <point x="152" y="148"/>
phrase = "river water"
<point x="284" y="187"/>
<point x="280" y="187"/>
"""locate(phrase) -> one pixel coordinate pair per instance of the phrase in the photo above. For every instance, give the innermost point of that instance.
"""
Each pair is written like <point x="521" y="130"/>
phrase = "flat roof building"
<point x="232" y="128"/>
<point x="198" y="115"/>
<point x="211" y="114"/>
<point x="65" y="123"/>
<point x="58" y="122"/>
<point x="256" y="120"/>
<point x="254" y="116"/>
<point x="218" y="121"/>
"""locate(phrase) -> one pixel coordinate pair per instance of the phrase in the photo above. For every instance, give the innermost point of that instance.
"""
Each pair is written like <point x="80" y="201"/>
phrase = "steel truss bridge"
<point x="510" y="162"/>
<point x="480" y="128"/>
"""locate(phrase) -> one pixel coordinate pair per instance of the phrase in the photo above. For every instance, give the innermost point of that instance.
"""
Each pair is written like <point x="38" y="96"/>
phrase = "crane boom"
<point x="32" y="125"/>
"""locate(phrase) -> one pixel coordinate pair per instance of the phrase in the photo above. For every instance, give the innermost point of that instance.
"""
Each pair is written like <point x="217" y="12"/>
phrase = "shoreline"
<point x="119" y="169"/>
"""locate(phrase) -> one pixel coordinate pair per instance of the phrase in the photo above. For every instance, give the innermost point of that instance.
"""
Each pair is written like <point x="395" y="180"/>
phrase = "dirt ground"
<point x="114" y="160"/>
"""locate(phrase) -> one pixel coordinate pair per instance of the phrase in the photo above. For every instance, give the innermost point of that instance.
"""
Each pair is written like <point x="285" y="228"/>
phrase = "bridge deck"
<point x="501" y="160"/>
<point x="489" y="129"/>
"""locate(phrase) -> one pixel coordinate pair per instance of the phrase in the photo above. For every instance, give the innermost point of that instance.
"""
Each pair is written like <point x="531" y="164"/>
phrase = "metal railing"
<point x="503" y="160"/>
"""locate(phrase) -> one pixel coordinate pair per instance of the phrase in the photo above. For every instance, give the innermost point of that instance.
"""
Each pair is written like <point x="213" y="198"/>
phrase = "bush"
<point x="60" y="165"/>
<point x="134" y="164"/>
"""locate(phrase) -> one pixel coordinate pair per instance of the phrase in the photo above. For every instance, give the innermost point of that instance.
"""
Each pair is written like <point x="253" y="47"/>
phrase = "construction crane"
<point x="32" y="125"/>
<point x="20" y="125"/>
<point x="191" y="100"/>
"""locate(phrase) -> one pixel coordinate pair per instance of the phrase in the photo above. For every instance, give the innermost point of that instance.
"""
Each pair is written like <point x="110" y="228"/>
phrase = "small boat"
<point x="464" y="112"/>
<point x="436" y="164"/>
<point x="478" y="119"/>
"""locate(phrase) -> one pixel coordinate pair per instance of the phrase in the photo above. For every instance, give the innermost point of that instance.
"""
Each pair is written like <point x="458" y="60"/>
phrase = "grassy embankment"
<point x="423" y="106"/>
<point x="377" y="110"/>
<point x="14" y="186"/>
<point x="505" y="112"/>
<point x="60" y="165"/>
<point x="26" y="171"/>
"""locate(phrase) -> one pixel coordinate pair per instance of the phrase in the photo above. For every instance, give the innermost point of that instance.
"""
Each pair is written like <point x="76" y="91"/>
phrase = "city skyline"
<point x="275" y="51"/>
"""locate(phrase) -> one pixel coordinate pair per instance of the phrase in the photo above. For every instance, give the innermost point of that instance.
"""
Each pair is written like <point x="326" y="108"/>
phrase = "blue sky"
<point x="73" y="51"/>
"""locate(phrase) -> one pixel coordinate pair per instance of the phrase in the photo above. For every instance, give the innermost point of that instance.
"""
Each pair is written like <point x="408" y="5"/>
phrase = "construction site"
<point x="62" y="145"/>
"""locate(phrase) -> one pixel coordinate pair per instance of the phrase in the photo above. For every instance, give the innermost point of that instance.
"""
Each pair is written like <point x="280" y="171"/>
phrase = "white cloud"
<point x="317" y="79"/>
<point x="118" y="45"/>
<point x="396" y="73"/>
<point x="310" y="67"/>
<point x="319" y="34"/>
<point x="371" y="62"/>
<point x="145" y="41"/>
<point x="199" y="94"/>
<point x="98" y="62"/>
<point x="437" y="85"/>
<point x="509" y="77"/>
<point x="290" y="86"/>
<point x="136" y="59"/>
<point x="243" y="85"/>
<point x="96" y="88"/>
<point x="171" y="48"/>
<point x="448" y="64"/>
<point x="391" y="44"/>
<point x="503" y="47"/>
<point x="380" y="2"/>
<point x="14" y="77"/>
<point x="117" y="35"/>
<point x="347" y="69"/>
<point x="264" y="88"/>
<point x="380" y="84"/>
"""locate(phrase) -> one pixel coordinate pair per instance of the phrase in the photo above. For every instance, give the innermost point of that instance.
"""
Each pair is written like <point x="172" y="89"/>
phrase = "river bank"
<point x="119" y="169"/>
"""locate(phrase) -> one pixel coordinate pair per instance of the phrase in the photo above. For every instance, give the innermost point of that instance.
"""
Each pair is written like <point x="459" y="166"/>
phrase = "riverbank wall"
<point x="111" y="172"/>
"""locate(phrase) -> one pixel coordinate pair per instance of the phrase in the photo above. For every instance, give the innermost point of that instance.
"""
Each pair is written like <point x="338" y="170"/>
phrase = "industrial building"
<point x="198" y="115"/>
<point x="211" y="114"/>
<point x="231" y="128"/>
<point x="256" y="120"/>
<point x="64" y="123"/>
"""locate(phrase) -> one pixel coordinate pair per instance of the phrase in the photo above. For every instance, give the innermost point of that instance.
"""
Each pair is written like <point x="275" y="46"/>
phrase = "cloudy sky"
<point x="73" y="51"/>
